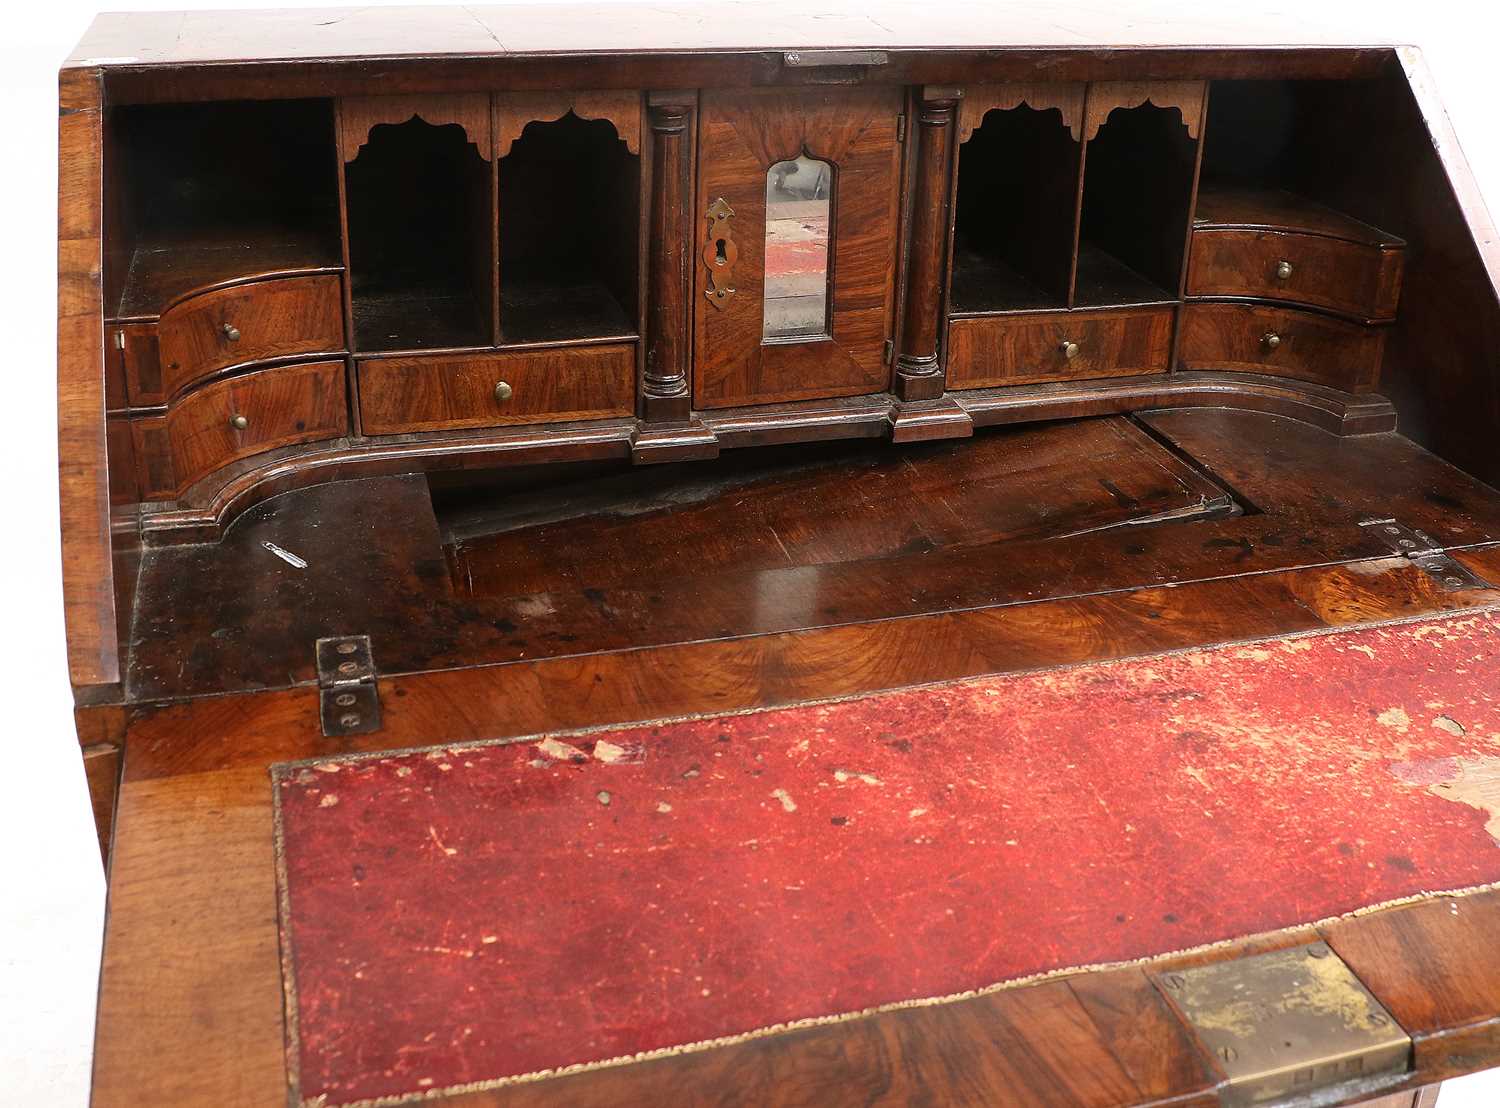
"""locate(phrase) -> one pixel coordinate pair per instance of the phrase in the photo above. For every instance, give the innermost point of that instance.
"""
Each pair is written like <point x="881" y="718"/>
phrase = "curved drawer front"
<point x="443" y="392"/>
<point x="1025" y="349"/>
<point x="240" y="416"/>
<point x="1282" y="342"/>
<point x="278" y="318"/>
<point x="1349" y="277"/>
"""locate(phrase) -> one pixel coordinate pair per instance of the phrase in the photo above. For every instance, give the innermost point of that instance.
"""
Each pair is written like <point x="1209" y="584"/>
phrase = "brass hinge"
<point x="901" y="127"/>
<point x="348" y="699"/>
<point x="1289" y="1026"/>
<point x="888" y="351"/>
<point x="1424" y="552"/>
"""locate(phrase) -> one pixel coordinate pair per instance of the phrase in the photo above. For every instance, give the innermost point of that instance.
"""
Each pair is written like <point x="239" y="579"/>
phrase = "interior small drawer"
<point x="239" y="416"/>
<point x="277" y="318"/>
<point x="1283" y="342"/>
<point x="1058" y="346"/>
<point x="441" y="392"/>
<point x="1353" y="278"/>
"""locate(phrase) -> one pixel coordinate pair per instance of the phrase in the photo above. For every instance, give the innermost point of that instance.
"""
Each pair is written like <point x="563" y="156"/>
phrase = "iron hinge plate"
<point x="1424" y="552"/>
<point x="348" y="697"/>
<point x="1291" y="1025"/>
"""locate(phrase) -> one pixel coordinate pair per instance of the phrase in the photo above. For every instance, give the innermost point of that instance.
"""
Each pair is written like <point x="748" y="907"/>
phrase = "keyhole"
<point x="720" y="257"/>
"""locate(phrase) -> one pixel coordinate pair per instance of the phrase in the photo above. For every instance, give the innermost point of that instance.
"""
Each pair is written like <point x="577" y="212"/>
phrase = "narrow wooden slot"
<point x="1137" y="198"/>
<point x="217" y="192"/>
<point x="1015" y="212"/>
<point x="569" y="204"/>
<point x="420" y="203"/>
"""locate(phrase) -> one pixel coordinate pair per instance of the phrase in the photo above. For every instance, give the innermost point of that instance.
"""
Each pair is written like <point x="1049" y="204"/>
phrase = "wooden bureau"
<point x="442" y="375"/>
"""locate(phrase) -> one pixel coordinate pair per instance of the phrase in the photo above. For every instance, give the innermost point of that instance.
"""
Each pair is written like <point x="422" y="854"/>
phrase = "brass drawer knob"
<point x="231" y="332"/>
<point x="1069" y="350"/>
<point x="238" y="422"/>
<point x="503" y="391"/>
<point x="1283" y="270"/>
<point x="1270" y="341"/>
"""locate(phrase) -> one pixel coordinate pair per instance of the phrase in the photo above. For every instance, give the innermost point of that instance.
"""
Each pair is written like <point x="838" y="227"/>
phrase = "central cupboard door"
<point x="796" y="251"/>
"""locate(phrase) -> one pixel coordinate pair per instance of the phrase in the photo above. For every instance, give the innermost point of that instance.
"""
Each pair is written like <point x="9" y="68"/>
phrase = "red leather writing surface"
<point x="472" y="914"/>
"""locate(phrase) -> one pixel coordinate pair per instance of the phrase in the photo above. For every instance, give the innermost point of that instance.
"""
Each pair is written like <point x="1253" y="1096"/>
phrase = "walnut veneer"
<point x="460" y="308"/>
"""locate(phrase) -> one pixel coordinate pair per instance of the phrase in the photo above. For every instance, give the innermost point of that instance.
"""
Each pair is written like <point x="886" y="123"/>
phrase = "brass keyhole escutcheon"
<point x="1270" y="341"/>
<point x="238" y="422"/>
<point x="231" y="332"/>
<point x="1283" y="270"/>
<point x="1069" y="350"/>
<point x="503" y="391"/>
<point x="720" y="253"/>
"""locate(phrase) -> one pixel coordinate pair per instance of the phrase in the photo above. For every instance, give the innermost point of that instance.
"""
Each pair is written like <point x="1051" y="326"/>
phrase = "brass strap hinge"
<point x="1424" y="552"/>
<point x="348" y="699"/>
<point x="1293" y="1026"/>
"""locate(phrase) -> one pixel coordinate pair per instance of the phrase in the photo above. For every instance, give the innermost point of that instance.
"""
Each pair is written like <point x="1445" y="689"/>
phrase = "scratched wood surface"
<point x="591" y="560"/>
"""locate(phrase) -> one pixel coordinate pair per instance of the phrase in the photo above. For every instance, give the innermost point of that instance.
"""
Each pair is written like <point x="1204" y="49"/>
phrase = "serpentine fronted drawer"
<point x="1282" y="342"/>
<point x="254" y="322"/>
<point x="239" y="416"/>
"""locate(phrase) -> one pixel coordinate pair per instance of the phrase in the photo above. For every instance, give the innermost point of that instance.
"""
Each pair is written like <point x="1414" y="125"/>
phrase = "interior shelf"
<point x="569" y="233"/>
<point x="420" y="203"/>
<point x="212" y="192"/>
<point x="1268" y="162"/>
<point x="1014" y="213"/>
<point x="1103" y="280"/>
<point x="984" y="284"/>
<point x="1137" y="194"/>
<point x="167" y="266"/>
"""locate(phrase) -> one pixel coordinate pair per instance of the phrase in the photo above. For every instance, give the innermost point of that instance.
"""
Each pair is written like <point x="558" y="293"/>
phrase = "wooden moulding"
<point x="345" y="76"/>
<point x="203" y="511"/>
<point x="1331" y="409"/>
<point x="358" y="115"/>
<point x="979" y="100"/>
<point x="1188" y="97"/>
<point x="514" y="111"/>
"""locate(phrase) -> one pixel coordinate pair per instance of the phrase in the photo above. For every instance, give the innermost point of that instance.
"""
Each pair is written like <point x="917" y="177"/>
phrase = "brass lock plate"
<point x="1287" y="1025"/>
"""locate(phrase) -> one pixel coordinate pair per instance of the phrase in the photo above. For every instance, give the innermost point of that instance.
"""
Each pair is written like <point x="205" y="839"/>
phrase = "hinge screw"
<point x="1318" y="950"/>
<point x="347" y="647"/>
<point x="1173" y="981"/>
<point x="348" y="667"/>
<point x="349" y="719"/>
<point x="1228" y="1053"/>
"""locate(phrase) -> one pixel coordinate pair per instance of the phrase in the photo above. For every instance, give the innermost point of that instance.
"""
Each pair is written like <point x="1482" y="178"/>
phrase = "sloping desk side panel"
<point x="88" y="575"/>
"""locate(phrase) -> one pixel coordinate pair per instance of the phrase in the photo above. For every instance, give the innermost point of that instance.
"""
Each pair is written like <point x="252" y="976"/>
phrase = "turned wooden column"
<point x="665" y="397"/>
<point x="919" y="373"/>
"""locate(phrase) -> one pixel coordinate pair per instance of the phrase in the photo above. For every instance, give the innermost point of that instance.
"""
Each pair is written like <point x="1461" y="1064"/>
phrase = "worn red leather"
<point x="472" y="914"/>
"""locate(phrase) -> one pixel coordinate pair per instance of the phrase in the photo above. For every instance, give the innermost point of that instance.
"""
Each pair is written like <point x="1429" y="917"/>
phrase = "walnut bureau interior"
<point x="575" y="354"/>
